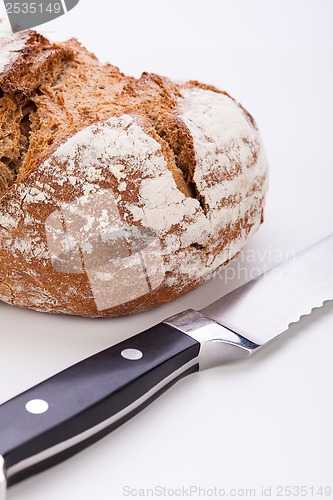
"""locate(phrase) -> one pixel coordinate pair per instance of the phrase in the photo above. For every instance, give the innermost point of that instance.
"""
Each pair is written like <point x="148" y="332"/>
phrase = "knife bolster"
<point x="218" y="344"/>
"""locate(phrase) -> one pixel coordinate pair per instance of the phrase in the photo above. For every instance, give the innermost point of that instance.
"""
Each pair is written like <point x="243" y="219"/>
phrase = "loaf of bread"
<point x="117" y="194"/>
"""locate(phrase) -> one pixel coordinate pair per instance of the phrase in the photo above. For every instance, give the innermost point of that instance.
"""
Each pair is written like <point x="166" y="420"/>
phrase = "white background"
<point x="264" y="421"/>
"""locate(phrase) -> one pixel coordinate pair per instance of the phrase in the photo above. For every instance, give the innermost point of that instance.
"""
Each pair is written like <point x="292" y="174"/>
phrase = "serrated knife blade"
<point x="76" y="407"/>
<point x="265" y="307"/>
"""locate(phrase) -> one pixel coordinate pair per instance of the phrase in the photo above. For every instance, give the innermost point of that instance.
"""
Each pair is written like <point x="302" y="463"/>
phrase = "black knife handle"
<point x="90" y="399"/>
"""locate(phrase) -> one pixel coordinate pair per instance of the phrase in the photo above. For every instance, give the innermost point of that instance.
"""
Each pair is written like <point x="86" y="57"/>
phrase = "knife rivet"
<point x="132" y="354"/>
<point x="37" y="406"/>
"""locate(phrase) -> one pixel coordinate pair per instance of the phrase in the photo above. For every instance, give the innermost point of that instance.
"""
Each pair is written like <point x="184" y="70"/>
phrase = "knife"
<point x="64" y="414"/>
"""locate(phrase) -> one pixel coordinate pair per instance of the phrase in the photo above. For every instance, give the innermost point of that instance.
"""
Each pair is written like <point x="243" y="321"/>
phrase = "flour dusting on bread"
<point x="117" y="194"/>
<point x="10" y="48"/>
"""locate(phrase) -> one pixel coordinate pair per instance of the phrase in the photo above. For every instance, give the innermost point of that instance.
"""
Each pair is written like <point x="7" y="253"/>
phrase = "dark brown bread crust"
<point x="51" y="92"/>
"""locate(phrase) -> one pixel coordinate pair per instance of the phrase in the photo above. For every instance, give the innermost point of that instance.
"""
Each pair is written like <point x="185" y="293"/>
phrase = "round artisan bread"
<point x="116" y="194"/>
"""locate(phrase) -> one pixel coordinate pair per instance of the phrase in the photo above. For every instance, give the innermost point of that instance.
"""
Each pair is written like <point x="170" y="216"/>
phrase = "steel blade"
<point x="264" y="307"/>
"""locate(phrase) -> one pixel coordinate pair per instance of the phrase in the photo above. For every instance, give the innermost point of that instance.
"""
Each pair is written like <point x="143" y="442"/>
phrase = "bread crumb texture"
<point x="117" y="194"/>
